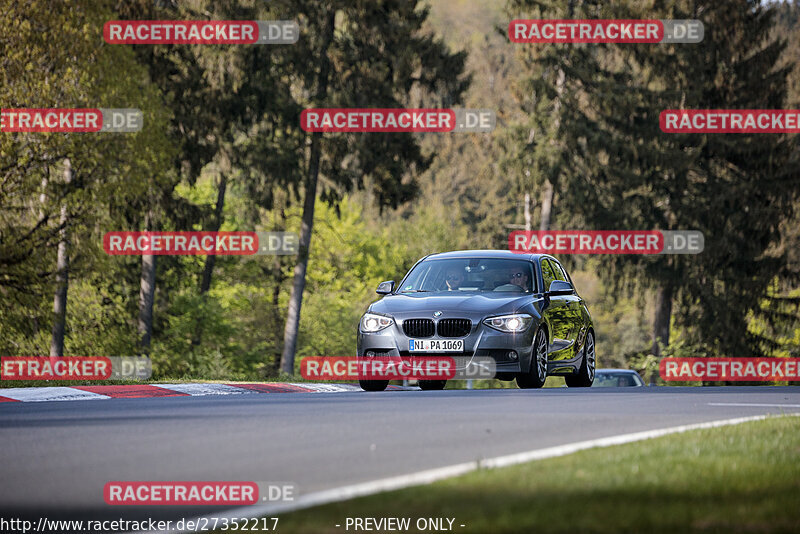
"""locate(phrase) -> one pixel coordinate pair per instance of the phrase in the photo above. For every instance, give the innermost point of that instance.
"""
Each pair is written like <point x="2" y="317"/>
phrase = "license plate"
<point x="436" y="345"/>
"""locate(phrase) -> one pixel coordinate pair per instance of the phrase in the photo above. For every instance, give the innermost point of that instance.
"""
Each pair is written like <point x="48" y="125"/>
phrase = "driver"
<point x="519" y="278"/>
<point x="453" y="278"/>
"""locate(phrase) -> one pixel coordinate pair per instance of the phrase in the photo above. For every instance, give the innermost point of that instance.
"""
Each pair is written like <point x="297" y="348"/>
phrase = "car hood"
<point x="450" y="305"/>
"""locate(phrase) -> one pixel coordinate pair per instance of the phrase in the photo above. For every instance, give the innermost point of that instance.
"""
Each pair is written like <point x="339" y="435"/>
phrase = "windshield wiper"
<point x="416" y="291"/>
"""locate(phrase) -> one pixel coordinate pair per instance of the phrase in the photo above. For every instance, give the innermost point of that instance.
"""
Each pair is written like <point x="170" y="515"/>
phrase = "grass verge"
<point x="743" y="478"/>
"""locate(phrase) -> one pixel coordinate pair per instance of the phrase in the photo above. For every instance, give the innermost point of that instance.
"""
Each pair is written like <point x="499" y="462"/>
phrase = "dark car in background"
<point x="617" y="378"/>
<point x="520" y="310"/>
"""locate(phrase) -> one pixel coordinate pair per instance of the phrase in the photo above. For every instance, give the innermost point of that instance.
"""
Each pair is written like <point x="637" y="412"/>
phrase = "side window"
<point x="547" y="274"/>
<point x="532" y="280"/>
<point x="561" y="274"/>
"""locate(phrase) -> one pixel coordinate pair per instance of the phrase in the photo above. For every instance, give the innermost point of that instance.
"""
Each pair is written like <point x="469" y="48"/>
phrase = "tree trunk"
<point x="548" y="192"/>
<point x="547" y="205"/>
<point x="661" y="318"/>
<point x="147" y="289"/>
<point x="208" y="267"/>
<point x="41" y="215"/>
<point x="299" y="281"/>
<point x="307" y="225"/>
<point x="62" y="276"/>
<point x="277" y="276"/>
<point x="527" y="212"/>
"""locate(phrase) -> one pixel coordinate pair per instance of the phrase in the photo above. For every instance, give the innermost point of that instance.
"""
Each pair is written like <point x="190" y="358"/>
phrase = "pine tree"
<point x="622" y="172"/>
<point x="364" y="53"/>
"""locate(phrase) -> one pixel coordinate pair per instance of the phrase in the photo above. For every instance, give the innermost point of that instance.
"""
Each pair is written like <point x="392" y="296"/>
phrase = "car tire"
<point x="585" y="375"/>
<point x="373" y="385"/>
<point x="537" y="375"/>
<point x="432" y="385"/>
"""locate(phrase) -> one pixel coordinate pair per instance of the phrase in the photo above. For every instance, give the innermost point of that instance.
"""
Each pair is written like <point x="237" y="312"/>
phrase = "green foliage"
<point x="776" y="322"/>
<point x="347" y="263"/>
<point x="173" y="354"/>
<point x="54" y="57"/>
<point x="241" y="316"/>
<point x="582" y="117"/>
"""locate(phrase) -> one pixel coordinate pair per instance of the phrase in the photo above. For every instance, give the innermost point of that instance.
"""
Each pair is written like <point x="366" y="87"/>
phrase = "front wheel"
<point x="585" y="375"/>
<point x="430" y="385"/>
<point x="373" y="385"/>
<point x="537" y="374"/>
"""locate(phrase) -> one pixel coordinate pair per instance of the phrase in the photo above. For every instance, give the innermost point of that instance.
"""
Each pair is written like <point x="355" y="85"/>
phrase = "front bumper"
<point x="481" y="342"/>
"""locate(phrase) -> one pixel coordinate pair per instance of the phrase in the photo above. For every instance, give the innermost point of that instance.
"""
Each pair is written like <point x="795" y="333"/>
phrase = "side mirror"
<point x="384" y="288"/>
<point x="560" y="287"/>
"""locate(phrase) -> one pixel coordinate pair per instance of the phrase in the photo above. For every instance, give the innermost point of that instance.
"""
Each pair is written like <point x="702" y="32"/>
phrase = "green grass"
<point x="743" y="478"/>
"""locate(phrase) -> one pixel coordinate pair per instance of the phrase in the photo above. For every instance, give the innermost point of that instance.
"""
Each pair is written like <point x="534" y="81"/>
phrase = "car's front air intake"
<point x="454" y="327"/>
<point x="418" y="327"/>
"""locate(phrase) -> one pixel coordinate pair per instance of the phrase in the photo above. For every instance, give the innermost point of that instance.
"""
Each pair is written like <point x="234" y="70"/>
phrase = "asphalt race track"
<point x="57" y="456"/>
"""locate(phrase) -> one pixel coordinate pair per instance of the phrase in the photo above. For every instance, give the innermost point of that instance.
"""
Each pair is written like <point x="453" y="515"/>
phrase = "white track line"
<point x="754" y="405"/>
<point x="344" y="493"/>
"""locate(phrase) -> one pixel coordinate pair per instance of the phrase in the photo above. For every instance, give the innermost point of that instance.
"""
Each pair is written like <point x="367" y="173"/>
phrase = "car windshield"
<point x="470" y="274"/>
<point x="613" y="380"/>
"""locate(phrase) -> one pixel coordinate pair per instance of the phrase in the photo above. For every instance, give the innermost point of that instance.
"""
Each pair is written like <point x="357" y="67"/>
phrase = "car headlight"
<point x="514" y="323"/>
<point x="372" y="322"/>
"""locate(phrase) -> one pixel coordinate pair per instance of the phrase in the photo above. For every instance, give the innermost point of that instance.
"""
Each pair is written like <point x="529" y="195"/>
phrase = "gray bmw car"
<point x="520" y="310"/>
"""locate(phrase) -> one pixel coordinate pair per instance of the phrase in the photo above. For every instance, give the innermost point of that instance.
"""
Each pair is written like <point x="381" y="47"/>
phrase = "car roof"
<point x="507" y="254"/>
<point x="629" y="371"/>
